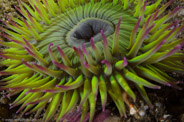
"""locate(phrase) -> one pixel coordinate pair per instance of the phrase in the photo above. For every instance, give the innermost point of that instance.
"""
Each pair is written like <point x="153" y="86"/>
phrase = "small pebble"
<point x="4" y="100"/>
<point x="132" y="111"/>
<point x="146" y="107"/>
<point x="141" y="113"/>
<point x="181" y="12"/>
<point x="166" y="116"/>
<point x="158" y="104"/>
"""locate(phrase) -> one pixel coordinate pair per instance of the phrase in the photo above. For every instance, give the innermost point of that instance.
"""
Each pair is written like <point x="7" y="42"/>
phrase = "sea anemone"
<point x="66" y="53"/>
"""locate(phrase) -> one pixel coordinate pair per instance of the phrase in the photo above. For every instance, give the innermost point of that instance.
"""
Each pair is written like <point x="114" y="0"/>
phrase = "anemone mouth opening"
<point x="89" y="28"/>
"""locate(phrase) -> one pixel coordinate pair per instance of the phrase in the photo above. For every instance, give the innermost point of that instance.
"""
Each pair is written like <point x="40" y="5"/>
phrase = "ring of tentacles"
<point x="72" y="53"/>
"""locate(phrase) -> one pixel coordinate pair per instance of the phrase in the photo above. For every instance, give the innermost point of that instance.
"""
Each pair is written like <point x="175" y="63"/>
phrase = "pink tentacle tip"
<point x="57" y="46"/>
<point x="44" y="90"/>
<point x="168" y="84"/>
<point x="103" y="110"/>
<point x="96" y="98"/>
<point x="101" y="31"/>
<point x="79" y="109"/>
<point x="63" y="119"/>
<point x="104" y="38"/>
<point x="106" y="62"/>
<point x="10" y="89"/>
<point x="27" y="50"/>
<point x="179" y="46"/>
<point x="180" y="82"/>
<point x="26" y="92"/>
<point x="27" y="103"/>
<point x="86" y="65"/>
<point x="120" y="19"/>
<point x="159" y="87"/>
<point x="26" y="114"/>
<point x="125" y="63"/>
<point x="24" y="39"/>
<point x="11" y="107"/>
<point x="92" y="44"/>
<point x="139" y="19"/>
<point x="177" y="8"/>
<point x="175" y="23"/>
<point x="74" y="48"/>
<point x="145" y="2"/>
<point x="51" y="44"/>
<point x="163" y="41"/>
<point x="34" y="63"/>
<point x="158" y="47"/>
<point x="54" y="62"/>
<point x="80" y="51"/>
<point x="27" y="12"/>
<point x="84" y="49"/>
